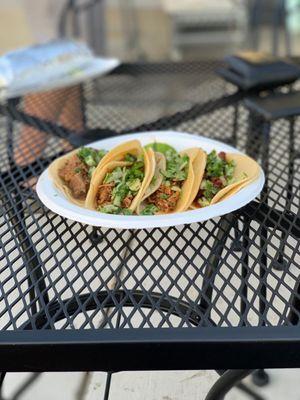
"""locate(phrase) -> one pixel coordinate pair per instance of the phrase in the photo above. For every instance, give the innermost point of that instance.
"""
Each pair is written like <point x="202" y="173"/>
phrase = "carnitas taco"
<point x="117" y="187"/>
<point x="72" y="173"/>
<point x="225" y="174"/>
<point x="173" y="183"/>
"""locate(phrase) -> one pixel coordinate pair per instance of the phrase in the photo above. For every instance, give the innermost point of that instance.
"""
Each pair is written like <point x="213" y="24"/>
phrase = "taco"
<point x="72" y="172"/>
<point x="118" y="153"/>
<point x="225" y="174"/>
<point x="172" y="186"/>
<point x="117" y="187"/>
<point x="198" y="158"/>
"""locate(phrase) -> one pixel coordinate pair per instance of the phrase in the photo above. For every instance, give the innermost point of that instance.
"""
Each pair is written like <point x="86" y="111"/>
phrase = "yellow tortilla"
<point x="152" y="164"/>
<point x="244" y="165"/>
<point x="117" y="153"/>
<point x="237" y="189"/>
<point x="198" y="157"/>
<point x="99" y="176"/>
<point x="53" y="170"/>
<point x="186" y="188"/>
<point x="158" y="164"/>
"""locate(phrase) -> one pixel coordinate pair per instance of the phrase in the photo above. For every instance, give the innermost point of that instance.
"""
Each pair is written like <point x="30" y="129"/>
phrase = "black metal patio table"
<point x="221" y="295"/>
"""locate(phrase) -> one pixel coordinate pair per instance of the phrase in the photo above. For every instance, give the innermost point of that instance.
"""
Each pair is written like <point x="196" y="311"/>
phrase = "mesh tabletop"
<point x="220" y="294"/>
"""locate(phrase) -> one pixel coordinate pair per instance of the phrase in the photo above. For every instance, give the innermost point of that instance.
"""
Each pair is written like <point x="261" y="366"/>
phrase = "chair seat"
<point x="275" y="106"/>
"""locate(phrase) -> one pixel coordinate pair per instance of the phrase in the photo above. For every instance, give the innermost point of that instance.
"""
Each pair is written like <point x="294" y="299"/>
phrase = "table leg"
<point x="235" y="124"/>
<point x="245" y="260"/>
<point x="2" y="376"/>
<point x="226" y="224"/>
<point x="260" y="377"/>
<point x="226" y="382"/>
<point x="107" y="386"/>
<point x="98" y="238"/>
<point x="237" y="246"/>
<point x="264" y="231"/>
<point x="83" y="107"/>
<point x="281" y="263"/>
<point x="16" y="213"/>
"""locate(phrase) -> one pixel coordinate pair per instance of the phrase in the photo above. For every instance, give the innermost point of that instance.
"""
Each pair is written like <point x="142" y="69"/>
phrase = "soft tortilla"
<point x="186" y="188"/>
<point x="244" y="165"/>
<point x="53" y="171"/>
<point x="117" y="153"/>
<point x="158" y="164"/>
<point x="99" y="176"/>
<point x="198" y="157"/>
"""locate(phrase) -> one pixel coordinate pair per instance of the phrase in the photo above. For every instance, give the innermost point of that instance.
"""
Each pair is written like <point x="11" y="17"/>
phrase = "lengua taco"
<point x="225" y="174"/>
<point x="172" y="186"/>
<point x="118" y="186"/>
<point x="72" y="172"/>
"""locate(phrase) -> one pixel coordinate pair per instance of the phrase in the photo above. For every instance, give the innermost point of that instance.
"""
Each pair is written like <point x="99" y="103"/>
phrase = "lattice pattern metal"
<point x="57" y="274"/>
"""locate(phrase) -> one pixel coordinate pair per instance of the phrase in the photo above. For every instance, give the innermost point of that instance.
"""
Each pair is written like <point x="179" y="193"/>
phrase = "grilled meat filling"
<point x="165" y="199"/>
<point x="104" y="193"/>
<point x="75" y="174"/>
<point x="218" y="174"/>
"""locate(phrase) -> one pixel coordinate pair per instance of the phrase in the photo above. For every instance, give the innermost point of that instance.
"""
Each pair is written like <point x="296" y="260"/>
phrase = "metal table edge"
<point x="150" y="349"/>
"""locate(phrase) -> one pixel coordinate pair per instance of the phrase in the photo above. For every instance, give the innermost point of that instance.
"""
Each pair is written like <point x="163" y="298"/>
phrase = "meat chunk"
<point x="222" y="155"/>
<point x="217" y="182"/>
<point x="75" y="174"/>
<point x="165" y="198"/>
<point x="104" y="193"/>
<point x="126" y="203"/>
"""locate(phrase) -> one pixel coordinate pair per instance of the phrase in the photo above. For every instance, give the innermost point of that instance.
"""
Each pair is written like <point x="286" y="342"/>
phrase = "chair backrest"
<point x="86" y="19"/>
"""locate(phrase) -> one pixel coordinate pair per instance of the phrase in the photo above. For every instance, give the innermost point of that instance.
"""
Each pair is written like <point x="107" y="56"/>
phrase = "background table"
<point x="217" y="295"/>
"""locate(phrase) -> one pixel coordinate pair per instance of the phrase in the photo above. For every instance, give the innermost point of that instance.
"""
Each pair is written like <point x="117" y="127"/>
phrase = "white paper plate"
<point x="57" y="203"/>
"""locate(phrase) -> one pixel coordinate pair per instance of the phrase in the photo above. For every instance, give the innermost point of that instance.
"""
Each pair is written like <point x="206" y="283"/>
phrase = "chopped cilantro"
<point x="134" y="184"/>
<point x="91" y="157"/>
<point x="91" y="170"/>
<point x="112" y="209"/>
<point x="216" y="167"/>
<point x="163" y="196"/>
<point x="209" y="189"/>
<point x="77" y="170"/>
<point x="203" y="202"/>
<point x="119" y="193"/>
<point x="115" y="176"/>
<point x="127" y="181"/>
<point x="129" y="158"/>
<point x="150" y="209"/>
<point x="229" y="169"/>
<point x="218" y="174"/>
<point x="177" y="166"/>
<point x="126" y="211"/>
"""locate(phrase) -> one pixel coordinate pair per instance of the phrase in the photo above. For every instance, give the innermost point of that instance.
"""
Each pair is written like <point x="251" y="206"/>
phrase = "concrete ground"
<point x="158" y="385"/>
<point x="155" y="31"/>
